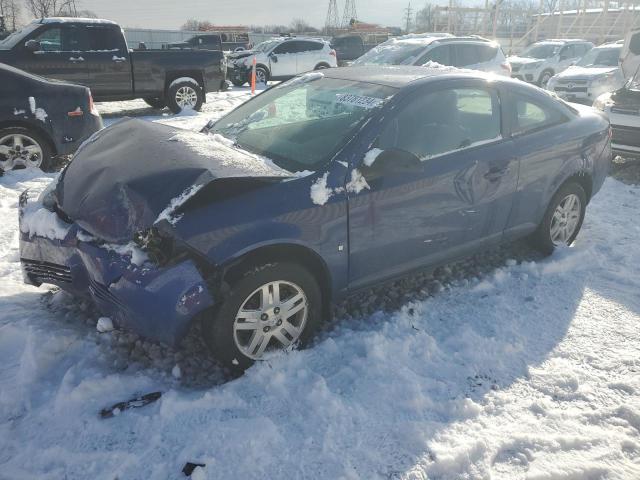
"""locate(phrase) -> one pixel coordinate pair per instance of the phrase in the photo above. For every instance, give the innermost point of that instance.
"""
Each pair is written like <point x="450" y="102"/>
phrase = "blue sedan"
<point x="325" y="184"/>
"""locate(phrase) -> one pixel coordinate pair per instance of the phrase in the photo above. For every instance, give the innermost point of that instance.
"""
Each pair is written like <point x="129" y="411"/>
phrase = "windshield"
<point x="600" y="57"/>
<point x="302" y="123"/>
<point x="395" y="53"/>
<point x="541" y="50"/>
<point x="13" y="39"/>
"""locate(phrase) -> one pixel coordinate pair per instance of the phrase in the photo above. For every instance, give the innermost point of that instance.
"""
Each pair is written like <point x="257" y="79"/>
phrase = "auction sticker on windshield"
<point x="358" y="100"/>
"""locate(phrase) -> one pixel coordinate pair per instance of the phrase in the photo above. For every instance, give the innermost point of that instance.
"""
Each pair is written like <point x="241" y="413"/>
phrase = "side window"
<point x="531" y="115"/>
<point x="486" y="53"/>
<point x="568" y="52"/>
<point x="73" y="38"/>
<point x="444" y="121"/>
<point x="287" y="47"/>
<point x="634" y="44"/>
<point x="466" y="54"/>
<point x="439" y="54"/>
<point x="310" y="46"/>
<point x="103" y="38"/>
<point x="50" y="40"/>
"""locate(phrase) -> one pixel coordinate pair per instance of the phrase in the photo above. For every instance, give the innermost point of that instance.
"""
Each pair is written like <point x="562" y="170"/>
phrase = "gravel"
<point x="191" y="365"/>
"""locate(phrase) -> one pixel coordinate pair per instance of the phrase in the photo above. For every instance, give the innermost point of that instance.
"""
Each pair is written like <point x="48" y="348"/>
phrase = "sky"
<point x="171" y="14"/>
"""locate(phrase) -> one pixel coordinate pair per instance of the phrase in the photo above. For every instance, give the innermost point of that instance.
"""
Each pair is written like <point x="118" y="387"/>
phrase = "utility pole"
<point x="332" y="22"/>
<point x="408" y="16"/>
<point x="350" y="15"/>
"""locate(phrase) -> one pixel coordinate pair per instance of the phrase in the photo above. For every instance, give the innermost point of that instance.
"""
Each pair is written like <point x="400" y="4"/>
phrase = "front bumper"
<point x="238" y="73"/>
<point x="626" y="140"/>
<point x="155" y="302"/>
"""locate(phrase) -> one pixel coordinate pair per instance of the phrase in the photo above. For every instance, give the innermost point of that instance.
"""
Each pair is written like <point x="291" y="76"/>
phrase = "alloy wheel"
<point x="565" y="219"/>
<point x="19" y="150"/>
<point x="272" y="317"/>
<point x="186" y="96"/>
<point x="261" y="76"/>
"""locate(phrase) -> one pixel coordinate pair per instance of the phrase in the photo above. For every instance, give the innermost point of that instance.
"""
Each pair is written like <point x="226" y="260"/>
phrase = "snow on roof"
<point x="75" y="20"/>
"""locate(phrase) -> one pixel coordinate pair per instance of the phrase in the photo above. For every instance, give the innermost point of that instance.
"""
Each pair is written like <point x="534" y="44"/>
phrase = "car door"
<point x="60" y="53"/>
<point x="457" y="197"/>
<point x="283" y="59"/>
<point x="108" y="61"/>
<point x="309" y="56"/>
<point x="544" y="145"/>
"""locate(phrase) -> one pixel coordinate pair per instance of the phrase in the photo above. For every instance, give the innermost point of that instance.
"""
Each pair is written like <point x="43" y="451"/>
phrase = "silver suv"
<point x="542" y="60"/>
<point x="472" y="52"/>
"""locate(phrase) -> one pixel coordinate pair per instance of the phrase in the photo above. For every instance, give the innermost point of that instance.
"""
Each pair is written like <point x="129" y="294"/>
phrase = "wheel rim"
<point x="565" y="219"/>
<point x="273" y="317"/>
<point x="545" y="79"/>
<point x="19" y="150"/>
<point x="261" y="77"/>
<point x="186" y="96"/>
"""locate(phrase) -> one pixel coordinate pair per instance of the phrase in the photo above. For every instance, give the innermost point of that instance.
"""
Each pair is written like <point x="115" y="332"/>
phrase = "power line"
<point x="350" y="14"/>
<point x="332" y="21"/>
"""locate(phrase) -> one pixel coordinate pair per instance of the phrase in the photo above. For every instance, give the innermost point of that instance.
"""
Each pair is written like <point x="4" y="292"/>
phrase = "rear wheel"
<point x="273" y="307"/>
<point x="185" y="94"/>
<point x="155" y="102"/>
<point x="24" y="148"/>
<point x="563" y="219"/>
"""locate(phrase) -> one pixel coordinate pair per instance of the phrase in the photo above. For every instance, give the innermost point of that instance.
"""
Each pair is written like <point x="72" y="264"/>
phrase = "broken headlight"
<point x="159" y="247"/>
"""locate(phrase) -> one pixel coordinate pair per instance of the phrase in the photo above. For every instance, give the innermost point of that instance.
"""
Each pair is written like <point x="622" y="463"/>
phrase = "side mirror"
<point x="392" y="161"/>
<point x="32" y="45"/>
<point x="273" y="57"/>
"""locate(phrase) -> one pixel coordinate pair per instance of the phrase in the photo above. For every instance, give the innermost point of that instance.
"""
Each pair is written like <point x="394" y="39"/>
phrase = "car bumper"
<point x="155" y="302"/>
<point x="585" y="94"/>
<point x="238" y="74"/>
<point x="75" y="133"/>
<point x="625" y="140"/>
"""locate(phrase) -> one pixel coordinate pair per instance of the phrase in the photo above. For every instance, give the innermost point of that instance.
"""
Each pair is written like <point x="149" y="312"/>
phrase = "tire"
<point x="544" y="78"/>
<point x="238" y="83"/>
<point x="229" y="341"/>
<point x="543" y="238"/>
<point x="322" y="66"/>
<point x="12" y="137"/>
<point x="185" y="94"/>
<point x="155" y="102"/>
<point x="262" y="75"/>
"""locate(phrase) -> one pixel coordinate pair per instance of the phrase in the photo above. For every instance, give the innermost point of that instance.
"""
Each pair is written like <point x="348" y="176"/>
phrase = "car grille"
<point x="101" y="292"/>
<point x="572" y="81"/>
<point x="47" y="272"/>
<point x="570" y="89"/>
<point x="626" y="136"/>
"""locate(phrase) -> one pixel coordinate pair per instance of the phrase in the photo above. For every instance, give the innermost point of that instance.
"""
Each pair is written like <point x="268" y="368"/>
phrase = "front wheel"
<point x="272" y="307"/>
<point x="185" y="94"/>
<point x="544" y="78"/>
<point x="23" y="148"/>
<point x="563" y="219"/>
<point x="262" y="76"/>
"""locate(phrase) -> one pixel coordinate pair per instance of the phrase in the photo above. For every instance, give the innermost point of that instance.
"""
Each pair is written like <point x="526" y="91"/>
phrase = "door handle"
<point x="76" y="59"/>
<point x="118" y="59"/>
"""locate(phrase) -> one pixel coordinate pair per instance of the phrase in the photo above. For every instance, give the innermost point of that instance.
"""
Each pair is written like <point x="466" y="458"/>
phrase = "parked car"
<point x="630" y="54"/>
<point x="465" y="52"/>
<point x="41" y="119"/>
<point x="94" y="53"/>
<point x="594" y="74"/>
<point x="351" y="46"/>
<point x="199" y="42"/>
<point x="276" y="210"/>
<point x="623" y="108"/>
<point x="542" y="60"/>
<point x="280" y="59"/>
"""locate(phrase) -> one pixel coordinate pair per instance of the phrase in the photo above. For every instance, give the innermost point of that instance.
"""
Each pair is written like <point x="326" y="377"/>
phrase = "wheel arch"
<point x="197" y="75"/>
<point x="322" y="65"/>
<point x="282" y="252"/>
<point x="31" y="126"/>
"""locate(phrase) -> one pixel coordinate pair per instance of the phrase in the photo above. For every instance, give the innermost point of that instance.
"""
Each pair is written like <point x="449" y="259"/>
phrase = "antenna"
<point x="332" y="23"/>
<point x="349" y="17"/>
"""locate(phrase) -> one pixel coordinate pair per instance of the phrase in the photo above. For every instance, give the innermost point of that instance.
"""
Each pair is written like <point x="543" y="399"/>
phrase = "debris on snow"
<point x="104" y="325"/>
<point x="136" y="402"/>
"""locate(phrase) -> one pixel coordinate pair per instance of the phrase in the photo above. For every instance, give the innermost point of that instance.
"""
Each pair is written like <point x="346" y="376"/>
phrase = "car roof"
<point x="401" y="76"/>
<point x="74" y="20"/>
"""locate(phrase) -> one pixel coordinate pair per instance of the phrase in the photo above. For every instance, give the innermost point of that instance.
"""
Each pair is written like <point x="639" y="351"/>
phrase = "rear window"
<point x="471" y="54"/>
<point x="310" y="46"/>
<point x="532" y="115"/>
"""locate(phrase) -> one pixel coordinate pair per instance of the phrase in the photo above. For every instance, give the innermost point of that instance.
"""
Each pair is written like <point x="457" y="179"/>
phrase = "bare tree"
<point x="299" y="25"/>
<point x="51" y="8"/>
<point x="10" y="11"/>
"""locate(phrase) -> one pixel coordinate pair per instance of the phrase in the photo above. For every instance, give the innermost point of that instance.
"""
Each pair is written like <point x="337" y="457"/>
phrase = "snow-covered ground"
<point x="528" y="370"/>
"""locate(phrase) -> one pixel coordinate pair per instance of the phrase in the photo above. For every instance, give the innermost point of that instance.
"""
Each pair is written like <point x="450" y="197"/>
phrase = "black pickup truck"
<point x="94" y="53"/>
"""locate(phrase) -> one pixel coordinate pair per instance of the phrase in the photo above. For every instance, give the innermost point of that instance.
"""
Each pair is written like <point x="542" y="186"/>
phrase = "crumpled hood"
<point x="584" y="72"/>
<point x="125" y="176"/>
